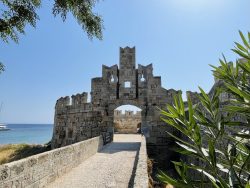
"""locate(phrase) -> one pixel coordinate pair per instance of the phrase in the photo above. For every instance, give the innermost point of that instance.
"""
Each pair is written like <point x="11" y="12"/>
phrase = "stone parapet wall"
<point x="141" y="173"/>
<point x="72" y="127"/>
<point x="39" y="170"/>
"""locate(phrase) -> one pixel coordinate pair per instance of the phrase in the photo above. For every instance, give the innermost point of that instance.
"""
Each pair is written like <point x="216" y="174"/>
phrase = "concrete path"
<point x="111" y="167"/>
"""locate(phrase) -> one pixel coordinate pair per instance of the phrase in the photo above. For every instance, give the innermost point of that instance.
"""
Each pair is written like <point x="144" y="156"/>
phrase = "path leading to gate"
<point x="113" y="166"/>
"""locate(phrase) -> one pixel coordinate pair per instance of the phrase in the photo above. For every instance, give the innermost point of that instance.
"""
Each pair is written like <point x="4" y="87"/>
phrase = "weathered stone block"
<point x="4" y="173"/>
<point x="41" y="169"/>
<point x="16" y="169"/>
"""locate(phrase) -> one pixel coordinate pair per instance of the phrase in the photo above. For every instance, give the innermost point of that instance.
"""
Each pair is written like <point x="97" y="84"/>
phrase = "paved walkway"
<point x="112" y="167"/>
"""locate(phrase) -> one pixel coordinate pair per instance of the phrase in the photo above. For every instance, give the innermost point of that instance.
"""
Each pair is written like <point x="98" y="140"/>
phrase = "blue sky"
<point x="180" y="38"/>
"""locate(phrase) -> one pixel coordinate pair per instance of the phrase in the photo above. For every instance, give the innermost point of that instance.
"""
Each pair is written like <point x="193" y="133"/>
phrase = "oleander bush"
<point x="215" y="143"/>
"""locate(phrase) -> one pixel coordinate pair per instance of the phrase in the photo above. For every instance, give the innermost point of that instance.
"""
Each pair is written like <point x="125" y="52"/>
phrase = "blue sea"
<point x="26" y="133"/>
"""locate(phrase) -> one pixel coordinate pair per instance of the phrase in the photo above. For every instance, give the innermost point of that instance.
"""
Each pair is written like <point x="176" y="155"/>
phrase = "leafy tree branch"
<point x="1" y="67"/>
<point x="16" y="14"/>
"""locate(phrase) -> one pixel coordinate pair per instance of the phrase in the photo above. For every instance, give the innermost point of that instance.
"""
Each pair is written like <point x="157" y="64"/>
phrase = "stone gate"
<point x="77" y="120"/>
<point x="128" y="122"/>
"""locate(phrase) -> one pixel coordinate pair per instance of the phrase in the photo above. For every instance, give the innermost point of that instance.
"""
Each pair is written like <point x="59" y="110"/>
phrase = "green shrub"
<point x="219" y="143"/>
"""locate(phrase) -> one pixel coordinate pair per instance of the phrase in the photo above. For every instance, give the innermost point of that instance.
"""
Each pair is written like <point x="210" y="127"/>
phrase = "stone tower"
<point x="123" y="85"/>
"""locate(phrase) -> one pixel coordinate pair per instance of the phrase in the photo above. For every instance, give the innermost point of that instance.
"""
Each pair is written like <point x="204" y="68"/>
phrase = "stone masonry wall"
<point x="77" y="120"/>
<point x="39" y="170"/>
<point x="141" y="174"/>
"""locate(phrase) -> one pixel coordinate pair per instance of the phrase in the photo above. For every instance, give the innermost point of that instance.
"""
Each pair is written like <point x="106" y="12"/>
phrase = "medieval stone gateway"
<point x="128" y="122"/>
<point x="77" y="120"/>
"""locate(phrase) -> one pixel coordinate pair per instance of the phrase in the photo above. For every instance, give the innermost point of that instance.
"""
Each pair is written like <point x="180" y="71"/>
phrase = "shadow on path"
<point x="115" y="147"/>
<point x="132" y="178"/>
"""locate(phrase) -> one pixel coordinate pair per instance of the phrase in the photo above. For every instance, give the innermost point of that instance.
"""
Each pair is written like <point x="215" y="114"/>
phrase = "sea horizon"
<point x="27" y="123"/>
<point x="26" y="133"/>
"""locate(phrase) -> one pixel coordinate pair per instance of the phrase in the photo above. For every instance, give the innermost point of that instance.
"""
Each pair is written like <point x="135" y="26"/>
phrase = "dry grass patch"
<point x="5" y="153"/>
<point x="13" y="152"/>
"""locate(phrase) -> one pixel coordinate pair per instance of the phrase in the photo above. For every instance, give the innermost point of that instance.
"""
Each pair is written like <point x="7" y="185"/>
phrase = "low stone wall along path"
<point x="113" y="166"/>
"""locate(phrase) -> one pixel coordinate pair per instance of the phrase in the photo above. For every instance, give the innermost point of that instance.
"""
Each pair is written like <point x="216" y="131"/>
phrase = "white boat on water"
<point x="3" y="127"/>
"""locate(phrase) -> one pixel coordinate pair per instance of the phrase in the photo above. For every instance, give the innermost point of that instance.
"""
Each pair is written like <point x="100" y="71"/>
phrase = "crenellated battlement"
<point x="76" y="119"/>
<point x="127" y="122"/>
<point x="127" y="58"/>
<point x="79" y="99"/>
<point x="127" y="113"/>
<point x="194" y="96"/>
<point x="63" y="102"/>
<point x="74" y="100"/>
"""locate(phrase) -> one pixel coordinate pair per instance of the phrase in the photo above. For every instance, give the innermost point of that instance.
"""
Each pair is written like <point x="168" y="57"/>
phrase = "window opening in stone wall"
<point x="127" y="120"/>
<point x="127" y="84"/>
<point x="142" y="78"/>
<point x="112" y="79"/>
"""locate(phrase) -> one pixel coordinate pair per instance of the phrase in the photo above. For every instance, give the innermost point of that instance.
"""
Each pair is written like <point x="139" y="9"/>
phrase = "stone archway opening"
<point x="127" y="120"/>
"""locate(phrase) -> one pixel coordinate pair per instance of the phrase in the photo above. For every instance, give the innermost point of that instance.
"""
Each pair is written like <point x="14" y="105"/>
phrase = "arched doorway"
<point x="126" y="84"/>
<point x="126" y="119"/>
